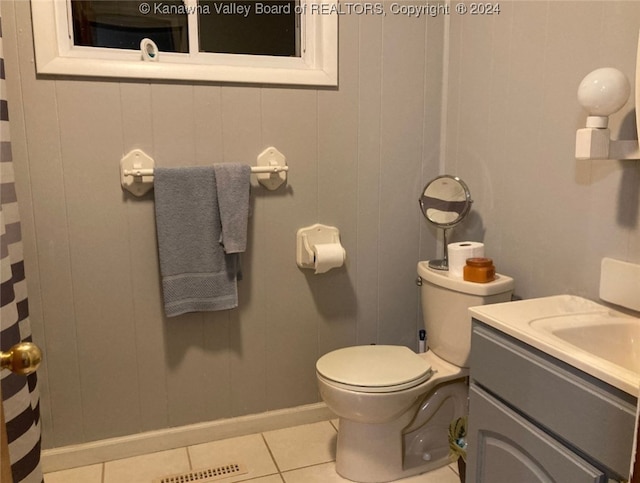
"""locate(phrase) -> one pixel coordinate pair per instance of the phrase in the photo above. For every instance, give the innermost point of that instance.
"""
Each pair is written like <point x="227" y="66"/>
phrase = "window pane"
<point x="259" y="28"/>
<point x="123" y="24"/>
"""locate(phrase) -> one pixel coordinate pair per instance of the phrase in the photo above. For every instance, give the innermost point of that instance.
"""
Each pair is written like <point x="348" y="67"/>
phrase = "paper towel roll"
<point x="458" y="254"/>
<point x="327" y="256"/>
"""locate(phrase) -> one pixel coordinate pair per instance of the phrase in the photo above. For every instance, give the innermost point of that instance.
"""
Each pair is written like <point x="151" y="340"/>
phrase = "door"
<point x="22" y="359"/>
<point x="5" y="465"/>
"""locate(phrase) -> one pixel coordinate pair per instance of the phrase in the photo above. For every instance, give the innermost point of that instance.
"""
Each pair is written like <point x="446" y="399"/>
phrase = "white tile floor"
<point x="302" y="454"/>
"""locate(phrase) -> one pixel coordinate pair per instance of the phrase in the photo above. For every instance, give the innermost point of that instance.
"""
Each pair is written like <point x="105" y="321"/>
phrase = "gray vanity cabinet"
<point x="535" y="419"/>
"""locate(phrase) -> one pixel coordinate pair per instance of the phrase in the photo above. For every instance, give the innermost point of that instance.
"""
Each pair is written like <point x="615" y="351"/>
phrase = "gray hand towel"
<point x="196" y="273"/>
<point x="233" y="182"/>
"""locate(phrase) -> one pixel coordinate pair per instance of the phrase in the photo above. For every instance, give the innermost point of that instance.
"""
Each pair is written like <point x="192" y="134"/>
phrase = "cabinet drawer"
<point x="595" y="419"/>
<point x="504" y="446"/>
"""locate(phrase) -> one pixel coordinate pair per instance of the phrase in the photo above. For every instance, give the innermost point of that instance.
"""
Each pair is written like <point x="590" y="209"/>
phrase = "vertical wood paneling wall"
<point x="546" y="218"/>
<point x="358" y="156"/>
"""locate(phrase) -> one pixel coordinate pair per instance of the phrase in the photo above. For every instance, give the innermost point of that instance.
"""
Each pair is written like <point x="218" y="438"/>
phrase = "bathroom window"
<point x="270" y="41"/>
<point x="117" y="24"/>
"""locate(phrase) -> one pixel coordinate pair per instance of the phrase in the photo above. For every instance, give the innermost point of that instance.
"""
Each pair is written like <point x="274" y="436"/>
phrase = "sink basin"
<point x="610" y="337"/>
<point x="600" y="341"/>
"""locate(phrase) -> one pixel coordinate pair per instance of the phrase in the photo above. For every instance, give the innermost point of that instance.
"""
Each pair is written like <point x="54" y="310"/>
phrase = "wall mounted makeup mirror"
<point x="445" y="201"/>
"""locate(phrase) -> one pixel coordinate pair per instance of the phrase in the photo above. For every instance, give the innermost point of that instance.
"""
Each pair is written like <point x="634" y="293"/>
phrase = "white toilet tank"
<point x="445" y="303"/>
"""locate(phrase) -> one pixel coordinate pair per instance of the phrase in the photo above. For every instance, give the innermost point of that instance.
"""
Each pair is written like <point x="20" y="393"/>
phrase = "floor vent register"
<point x="204" y="475"/>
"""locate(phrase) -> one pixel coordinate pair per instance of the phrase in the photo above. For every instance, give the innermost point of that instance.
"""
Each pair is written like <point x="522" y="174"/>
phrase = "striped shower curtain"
<point x="19" y="393"/>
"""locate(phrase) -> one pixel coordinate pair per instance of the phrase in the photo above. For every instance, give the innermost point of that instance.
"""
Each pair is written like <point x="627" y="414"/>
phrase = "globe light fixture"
<point x="602" y="93"/>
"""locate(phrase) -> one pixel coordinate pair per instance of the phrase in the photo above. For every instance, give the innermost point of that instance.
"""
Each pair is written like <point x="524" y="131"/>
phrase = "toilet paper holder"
<point x="312" y="235"/>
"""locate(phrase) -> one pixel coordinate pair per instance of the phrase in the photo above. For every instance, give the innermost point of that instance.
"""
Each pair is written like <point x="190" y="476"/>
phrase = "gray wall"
<point x="359" y="156"/>
<point x="512" y="113"/>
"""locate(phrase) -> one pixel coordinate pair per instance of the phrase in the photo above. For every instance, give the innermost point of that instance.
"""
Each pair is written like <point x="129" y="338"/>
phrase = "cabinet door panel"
<point x="503" y="446"/>
<point x="501" y="456"/>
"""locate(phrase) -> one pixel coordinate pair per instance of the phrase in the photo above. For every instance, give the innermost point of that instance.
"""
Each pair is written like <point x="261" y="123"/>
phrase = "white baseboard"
<point x="66" y="457"/>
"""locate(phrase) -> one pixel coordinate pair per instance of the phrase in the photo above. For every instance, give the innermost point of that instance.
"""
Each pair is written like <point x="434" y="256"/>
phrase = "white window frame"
<point x="318" y="66"/>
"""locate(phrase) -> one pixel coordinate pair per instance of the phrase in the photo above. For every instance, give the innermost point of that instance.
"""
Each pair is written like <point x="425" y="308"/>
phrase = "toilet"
<point x="395" y="406"/>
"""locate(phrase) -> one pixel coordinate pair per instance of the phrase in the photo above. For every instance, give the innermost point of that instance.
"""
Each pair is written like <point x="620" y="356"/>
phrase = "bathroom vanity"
<point x="534" y="415"/>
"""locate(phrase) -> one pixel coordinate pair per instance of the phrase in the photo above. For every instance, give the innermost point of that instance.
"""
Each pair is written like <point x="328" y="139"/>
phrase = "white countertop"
<point x="533" y="322"/>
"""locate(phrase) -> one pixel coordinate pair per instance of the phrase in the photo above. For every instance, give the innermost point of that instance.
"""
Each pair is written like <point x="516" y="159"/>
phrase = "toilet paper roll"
<point x="328" y="256"/>
<point x="458" y="254"/>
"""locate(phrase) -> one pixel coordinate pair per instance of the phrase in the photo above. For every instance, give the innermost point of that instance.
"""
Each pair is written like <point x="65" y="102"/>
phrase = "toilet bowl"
<point x="374" y="420"/>
<point x="395" y="406"/>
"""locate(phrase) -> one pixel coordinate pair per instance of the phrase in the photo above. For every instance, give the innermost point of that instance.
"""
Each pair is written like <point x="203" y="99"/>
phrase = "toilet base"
<point x="415" y="443"/>
<point x="375" y="463"/>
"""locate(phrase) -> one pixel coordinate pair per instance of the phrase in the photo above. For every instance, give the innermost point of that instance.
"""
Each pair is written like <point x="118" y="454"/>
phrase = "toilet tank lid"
<point x="501" y="284"/>
<point x="373" y="366"/>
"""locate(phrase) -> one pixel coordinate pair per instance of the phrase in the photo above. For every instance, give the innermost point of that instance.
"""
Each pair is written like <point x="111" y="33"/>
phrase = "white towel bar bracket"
<point x="270" y="170"/>
<point x="136" y="170"/>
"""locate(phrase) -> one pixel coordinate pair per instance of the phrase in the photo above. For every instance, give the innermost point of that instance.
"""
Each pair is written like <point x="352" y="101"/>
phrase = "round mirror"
<point x="445" y="201"/>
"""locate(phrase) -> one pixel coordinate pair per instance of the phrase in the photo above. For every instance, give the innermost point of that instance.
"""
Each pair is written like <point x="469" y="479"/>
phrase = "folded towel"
<point x="233" y="182"/>
<point x="196" y="273"/>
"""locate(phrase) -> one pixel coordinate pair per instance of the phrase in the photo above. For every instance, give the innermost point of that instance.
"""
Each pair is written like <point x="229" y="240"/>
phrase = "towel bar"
<point x="254" y="169"/>
<point x="136" y="170"/>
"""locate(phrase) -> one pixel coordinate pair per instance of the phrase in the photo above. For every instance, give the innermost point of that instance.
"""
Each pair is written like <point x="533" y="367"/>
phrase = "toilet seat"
<point x="374" y="368"/>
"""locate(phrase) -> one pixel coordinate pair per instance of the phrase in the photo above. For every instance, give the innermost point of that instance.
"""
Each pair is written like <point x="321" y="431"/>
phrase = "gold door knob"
<point x="22" y="359"/>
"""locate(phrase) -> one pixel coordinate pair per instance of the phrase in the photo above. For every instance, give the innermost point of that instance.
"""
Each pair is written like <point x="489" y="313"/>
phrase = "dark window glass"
<point x="123" y="24"/>
<point x="255" y="27"/>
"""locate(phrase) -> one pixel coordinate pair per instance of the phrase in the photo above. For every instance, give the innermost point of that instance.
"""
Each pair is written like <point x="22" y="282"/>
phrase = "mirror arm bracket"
<point x="442" y="264"/>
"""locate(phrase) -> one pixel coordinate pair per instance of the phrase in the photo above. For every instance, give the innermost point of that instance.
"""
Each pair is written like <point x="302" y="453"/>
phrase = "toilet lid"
<point x="374" y="368"/>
